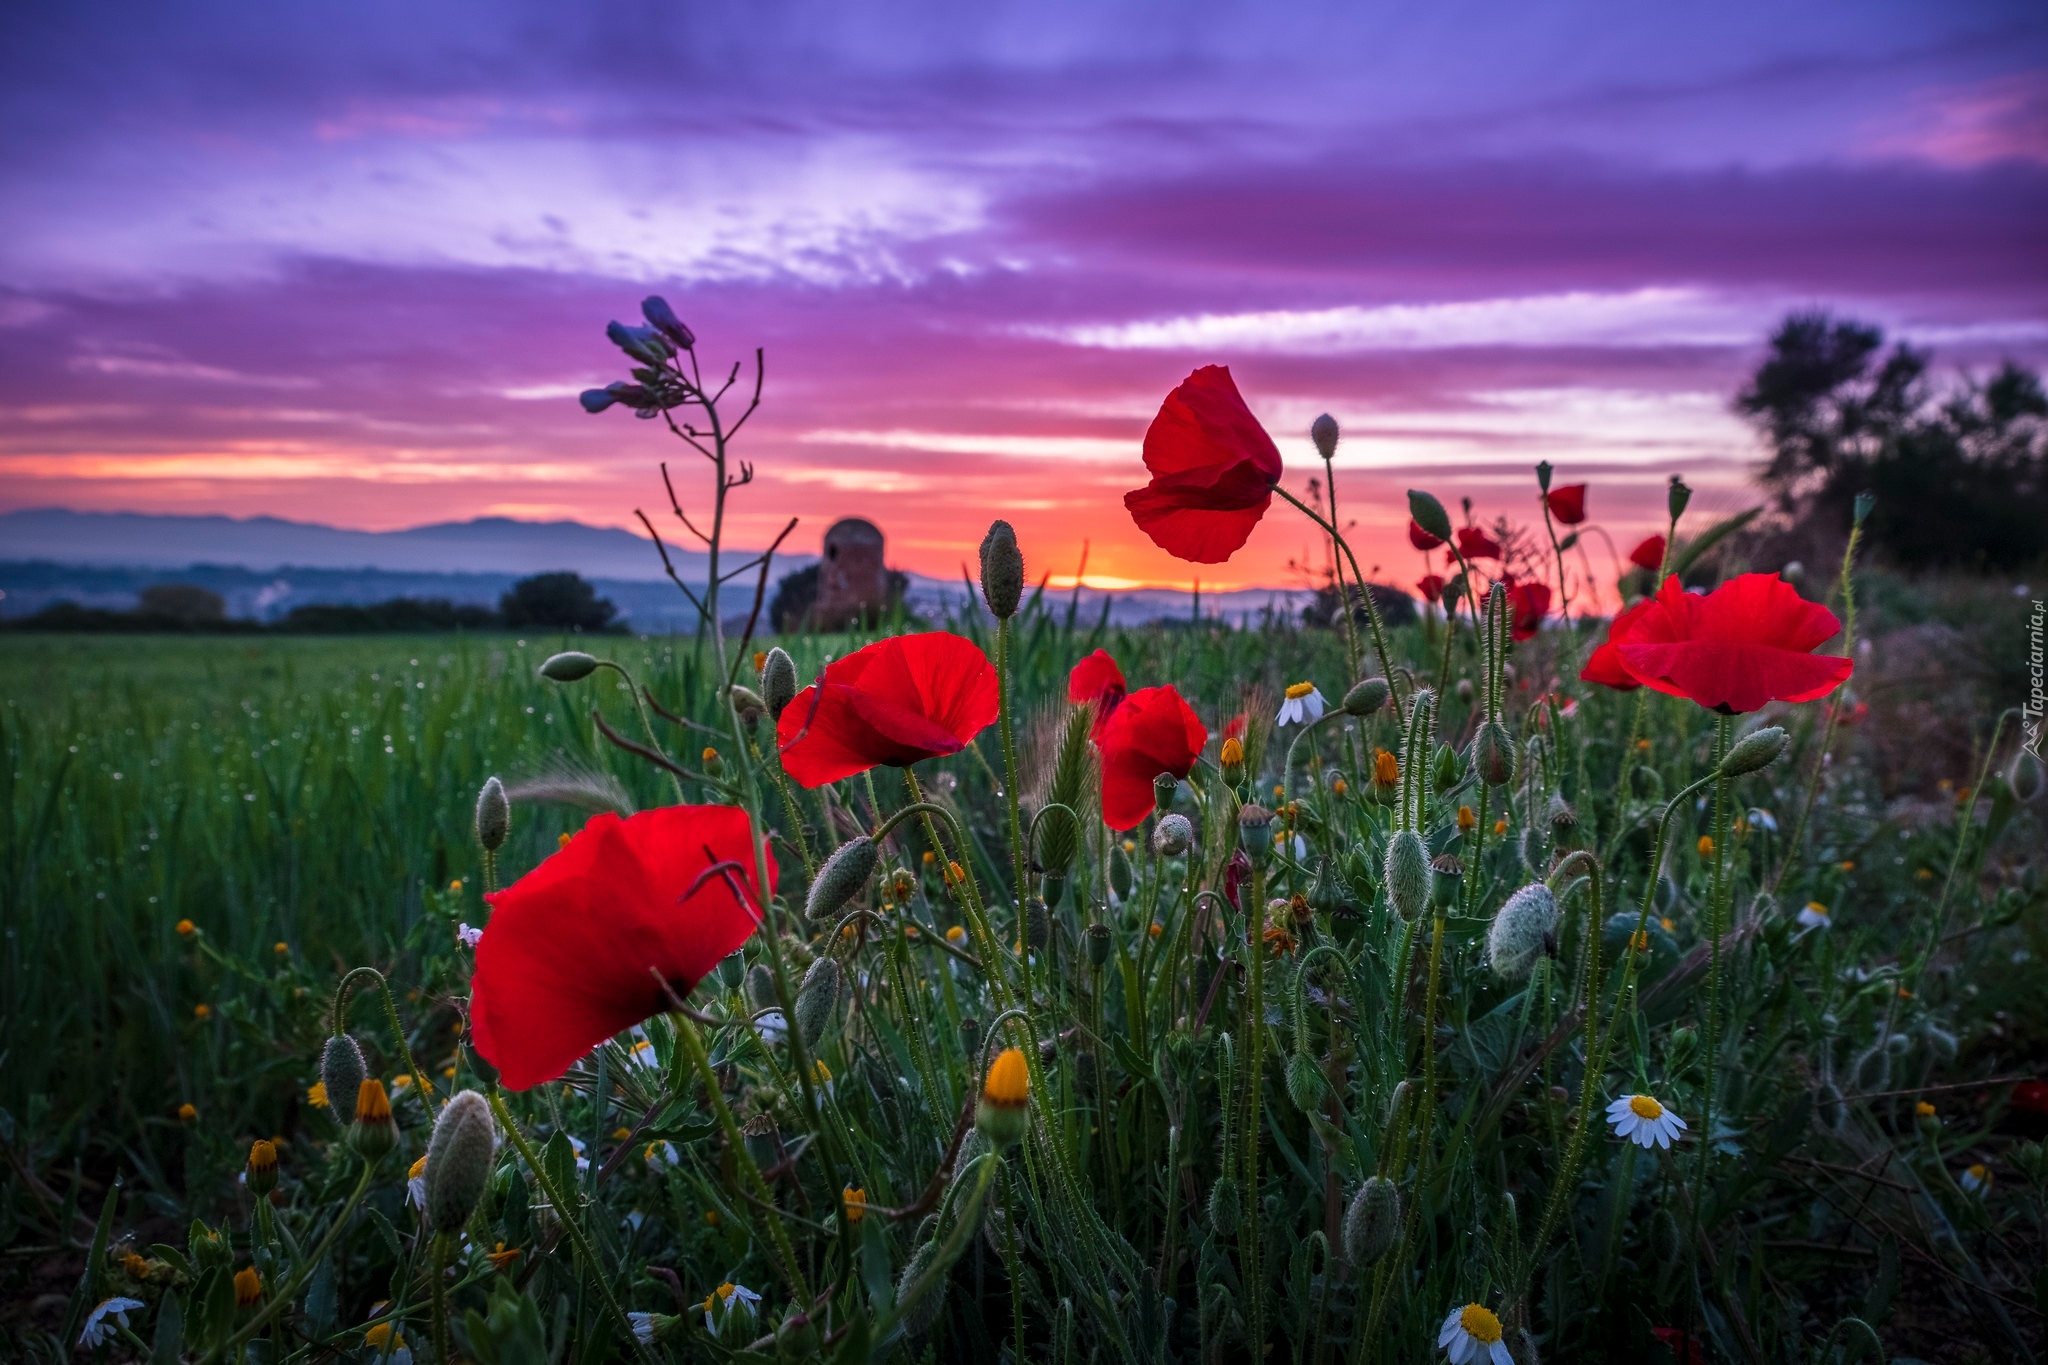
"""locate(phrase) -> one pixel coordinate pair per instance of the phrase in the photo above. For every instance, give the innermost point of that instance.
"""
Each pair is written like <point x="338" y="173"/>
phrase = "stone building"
<point x="853" y="583"/>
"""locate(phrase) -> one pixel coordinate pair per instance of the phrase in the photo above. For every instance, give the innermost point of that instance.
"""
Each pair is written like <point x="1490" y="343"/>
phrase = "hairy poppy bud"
<point x="1323" y="431"/>
<point x="1520" y="929"/>
<point x="1095" y="940"/>
<point x="1753" y="751"/>
<point x="842" y="877"/>
<point x="1372" y="1222"/>
<point x="778" y="681"/>
<point x="1493" y="754"/>
<point x="919" y="1314"/>
<point x="1444" y="768"/>
<point x="571" y="665"/>
<point x="2025" y="777"/>
<point x="747" y="702"/>
<point x="1679" y="496"/>
<point x="459" y="1160"/>
<point x="1305" y="1083"/>
<point x="1409" y="878"/>
<point x="760" y="988"/>
<point x="261" y="1172"/>
<point x="1172" y="836"/>
<point x="1255" y="831"/>
<point x="663" y="319"/>
<point x="1366" y="697"/>
<point x="493" y="821"/>
<point x="1429" y="514"/>
<point x="373" y="1134"/>
<point x="342" y="1071"/>
<point x="1226" y="1209"/>
<point x="1037" y="925"/>
<point x="1003" y="1112"/>
<point x="817" y="1000"/>
<point x="1002" y="571"/>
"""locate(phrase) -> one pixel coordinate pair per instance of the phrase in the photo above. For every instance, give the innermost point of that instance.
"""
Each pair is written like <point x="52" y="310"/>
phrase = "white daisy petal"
<point x="1501" y="1354"/>
<point x="1450" y="1328"/>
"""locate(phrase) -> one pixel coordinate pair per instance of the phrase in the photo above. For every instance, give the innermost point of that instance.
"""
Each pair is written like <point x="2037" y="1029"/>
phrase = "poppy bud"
<point x="571" y="665"/>
<point x="1429" y="514"/>
<point x="1305" y="1083"/>
<point x="760" y="988"/>
<point x="1255" y="831"/>
<point x="1323" y="431"/>
<point x="342" y="1072"/>
<point x="921" y="1313"/>
<point x="493" y="822"/>
<point x="1172" y="836"/>
<point x="1861" y="510"/>
<point x="2025" y="777"/>
<point x="1095" y="940"/>
<point x="817" y="1000"/>
<point x="1120" y="879"/>
<point x="1753" y="751"/>
<point x="1366" y="697"/>
<point x="663" y="319"/>
<point x="459" y="1161"/>
<point x="1372" y="1222"/>
<point x="1002" y="571"/>
<point x="778" y="681"/>
<point x="1519" y="930"/>
<point x="747" y="702"/>
<point x="1037" y="925"/>
<point x="1226" y="1210"/>
<point x="1679" y="496"/>
<point x="1444" y="774"/>
<point x="842" y="877"/>
<point x="1002" y="1113"/>
<point x="1163" y="788"/>
<point x="1409" y="878"/>
<point x="1543" y="475"/>
<point x="373" y="1134"/>
<point x="1493" y="754"/>
<point x="262" y="1169"/>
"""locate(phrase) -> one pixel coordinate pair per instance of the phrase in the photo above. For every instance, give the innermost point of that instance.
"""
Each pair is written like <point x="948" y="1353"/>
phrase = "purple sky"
<point x="353" y="267"/>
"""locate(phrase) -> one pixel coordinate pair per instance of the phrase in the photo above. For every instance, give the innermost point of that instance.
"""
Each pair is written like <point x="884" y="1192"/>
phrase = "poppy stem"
<point x="1005" y="710"/>
<point x="1847" y="587"/>
<point x="341" y="994"/>
<point x="1254" y="1109"/>
<point x="1372" y="608"/>
<point x="1717" y="917"/>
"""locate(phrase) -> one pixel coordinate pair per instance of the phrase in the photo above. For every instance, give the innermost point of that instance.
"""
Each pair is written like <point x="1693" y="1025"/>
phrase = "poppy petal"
<point x="899" y="700"/>
<point x="1154" y="731"/>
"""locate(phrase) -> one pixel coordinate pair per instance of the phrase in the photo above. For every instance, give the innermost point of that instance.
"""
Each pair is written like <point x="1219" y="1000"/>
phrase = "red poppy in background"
<point x="1684" y="1348"/>
<point x="1568" y="504"/>
<point x="1154" y="731"/>
<point x="1474" y="543"/>
<point x="1421" y="539"/>
<point x="1431" y="586"/>
<point x="1746" y="644"/>
<point x="1530" y="603"/>
<point x="1648" y="555"/>
<point x="1604" y="665"/>
<point x="1097" y="679"/>
<point x="569" y="956"/>
<point x="899" y="700"/>
<point x="1234" y="727"/>
<point x="2031" y="1096"/>
<point x="1213" y="470"/>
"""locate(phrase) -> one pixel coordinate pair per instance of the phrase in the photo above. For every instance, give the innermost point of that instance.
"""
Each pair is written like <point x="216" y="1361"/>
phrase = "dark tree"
<point x="556" y="601"/>
<point x="181" y="605"/>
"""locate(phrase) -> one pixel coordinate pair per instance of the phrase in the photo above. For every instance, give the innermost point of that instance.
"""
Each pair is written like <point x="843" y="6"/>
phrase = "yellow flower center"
<point x="1480" y="1324"/>
<point x="821" y="1073"/>
<point x="1233" y="752"/>
<point x="1924" y="1110"/>
<point x="1300" y="690"/>
<point x="418" y="1169"/>
<point x="725" y="1290"/>
<point x="1976" y="1172"/>
<point x="1817" y="908"/>
<point x="956" y="935"/>
<point x="1643" y="1107"/>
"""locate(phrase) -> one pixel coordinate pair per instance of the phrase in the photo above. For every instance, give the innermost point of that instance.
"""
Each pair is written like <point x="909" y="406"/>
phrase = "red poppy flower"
<point x="1234" y="727"/>
<point x="1568" y="504"/>
<point x="1474" y="543"/>
<point x="1683" y="1348"/>
<point x="1530" y="603"/>
<point x="1604" y="665"/>
<point x="568" y="957"/>
<point x="1747" y="643"/>
<point x="1648" y="555"/>
<point x="1431" y="586"/>
<point x="1097" y="679"/>
<point x="1421" y="539"/>
<point x="902" y="699"/>
<point x="1213" y="470"/>
<point x="1236" y="873"/>
<point x="1153" y="732"/>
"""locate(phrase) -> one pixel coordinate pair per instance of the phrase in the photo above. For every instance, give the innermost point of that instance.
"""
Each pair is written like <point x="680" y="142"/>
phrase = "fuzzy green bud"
<point x="1305" y="1083"/>
<point x="459" y="1159"/>
<point x="1096" y="942"/>
<point x="1366" y="697"/>
<point x="1002" y="571"/>
<point x="1429" y="514"/>
<point x="1409" y="877"/>
<point x="1037" y="924"/>
<point x="919" y="1314"/>
<point x="342" y="1072"/>
<point x="778" y="681"/>
<point x="1226" y="1209"/>
<point x="760" y="988"/>
<point x="571" y="665"/>
<point x="1759" y="749"/>
<point x="1255" y="831"/>
<point x="1120" y="877"/>
<point x="1519" y="931"/>
<point x="493" y="815"/>
<point x="1444" y="768"/>
<point x="817" y="1000"/>
<point x="1323" y="431"/>
<point x="842" y="877"/>
<point x="1172" y="836"/>
<point x="1494" y="754"/>
<point x="1678" y="497"/>
<point x="1372" y="1222"/>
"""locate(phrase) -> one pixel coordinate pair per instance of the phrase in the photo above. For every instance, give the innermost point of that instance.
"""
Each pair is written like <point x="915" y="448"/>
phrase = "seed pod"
<point x="762" y="1142"/>
<point x="1444" y="768"/>
<point x="1255" y="831"/>
<point x="1754" y="751"/>
<point x="1163" y="788"/>
<point x="1519" y="930"/>
<point x="1052" y="889"/>
<point x="1493" y="754"/>
<point x="1366" y="698"/>
<point x="1305" y="1083"/>
<point x="1323" y="431"/>
<point x="1409" y="878"/>
<point x="1172" y="836"/>
<point x="1226" y="1209"/>
<point x="342" y="1072"/>
<point x="2025" y="776"/>
<point x="817" y="1000"/>
<point x="1372" y="1222"/>
<point x="1096" y="941"/>
<point x="920" y="1314"/>
<point x="1679" y="496"/>
<point x="842" y="877"/>
<point x="778" y="681"/>
<point x="571" y="665"/>
<point x="459" y="1160"/>
<point x="493" y="815"/>
<point x="1002" y="571"/>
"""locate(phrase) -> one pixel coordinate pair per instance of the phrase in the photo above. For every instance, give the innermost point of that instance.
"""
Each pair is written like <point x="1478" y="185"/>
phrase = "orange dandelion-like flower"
<point x="248" y="1286"/>
<point x="1467" y="820"/>
<point x="186" y="928"/>
<point x="1705" y="846"/>
<point x="1386" y="769"/>
<point x="504" y="1258"/>
<point x="1500" y="827"/>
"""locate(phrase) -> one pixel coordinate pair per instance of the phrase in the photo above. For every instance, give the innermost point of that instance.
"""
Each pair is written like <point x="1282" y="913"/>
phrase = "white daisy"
<point x="1814" y="916"/>
<point x="1642" y="1120"/>
<point x="661" y="1155"/>
<point x="649" y="1328"/>
<point x="467" y="936"/>
<point x="1472" y="1333"/>
<point x="97" y="1328"/>
<point x="1304" y="705"/>
<point x="416" y="1185"/>
<point x="1763" y="820"/>
<point x="772" y="1027"/>
<point x="576" y="1146"/>
<point x="1975" y="1180"/>
<point x="726" y="1300"/>
<point x="642" y="1053"/>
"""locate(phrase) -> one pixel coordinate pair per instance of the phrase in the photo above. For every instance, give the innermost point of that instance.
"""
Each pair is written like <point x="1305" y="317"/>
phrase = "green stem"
<point x="278" y="1301"/>
<point x="1006" y="707"/>
<point x="1372" y="610"/>
<point x="341" y="994"/>
<point x="1254" y="1118"/>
